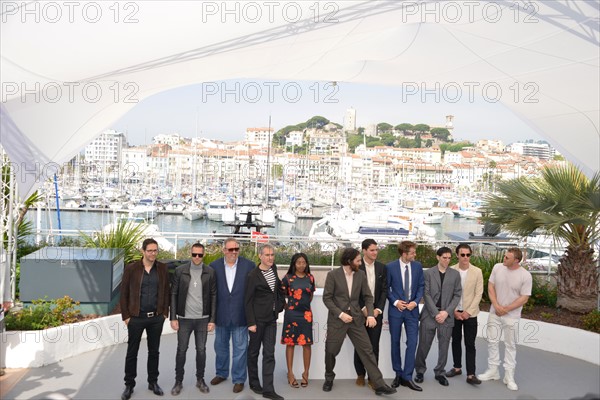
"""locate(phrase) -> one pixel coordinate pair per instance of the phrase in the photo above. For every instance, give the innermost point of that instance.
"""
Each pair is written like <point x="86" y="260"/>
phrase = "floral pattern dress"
<point x="297" y="319"/>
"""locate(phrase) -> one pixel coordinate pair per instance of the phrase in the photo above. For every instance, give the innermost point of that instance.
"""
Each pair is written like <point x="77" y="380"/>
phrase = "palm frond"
<point x="563" y="202"/>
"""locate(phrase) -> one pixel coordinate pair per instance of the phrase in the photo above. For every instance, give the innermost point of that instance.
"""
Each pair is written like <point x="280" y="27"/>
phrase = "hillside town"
<point x="315" y="154"/>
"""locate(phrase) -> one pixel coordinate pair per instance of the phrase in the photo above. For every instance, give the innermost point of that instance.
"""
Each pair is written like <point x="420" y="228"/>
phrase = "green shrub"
<point x="543" y="293"/>
<point x="591" y="321"/>
<point x="44" y="314"/>
<point x="486" y="263"/>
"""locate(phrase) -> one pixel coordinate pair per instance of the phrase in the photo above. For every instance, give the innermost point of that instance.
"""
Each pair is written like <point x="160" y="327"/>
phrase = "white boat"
<point x="381" y="226"/>
<point x="286" y="215"/>
<point x="267" y="216"/>
<point x="145" y="208"/>
<point x="431" y="218"/>
<point x="193" y="213"/>
<point x="215" y="209"/>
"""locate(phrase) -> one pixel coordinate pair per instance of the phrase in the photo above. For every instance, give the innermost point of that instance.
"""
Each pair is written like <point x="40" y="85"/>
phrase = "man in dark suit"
<point x="377" y="280"/>
<point x="344" y="287"/>
<point x="264" y="301"/>
<point x="231" y="272"/>
<point x="193" y="309"/>
<point x="144" y="306"/>
<point x="442" y="294"/>
<point x="405" y="290"/>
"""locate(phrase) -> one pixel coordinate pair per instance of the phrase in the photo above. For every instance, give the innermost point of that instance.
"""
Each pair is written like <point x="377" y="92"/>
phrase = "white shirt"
<point x="402" y="269"/>
<point x="463" y="281"/>
<point x="370" y="269"/>
<point x="230" y="273"/>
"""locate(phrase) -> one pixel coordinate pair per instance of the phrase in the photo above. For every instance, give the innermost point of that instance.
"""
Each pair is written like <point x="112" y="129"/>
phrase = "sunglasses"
<point x="233" y="249"/>
<point x="465" y="254"/>
<point x="198" y="255"/>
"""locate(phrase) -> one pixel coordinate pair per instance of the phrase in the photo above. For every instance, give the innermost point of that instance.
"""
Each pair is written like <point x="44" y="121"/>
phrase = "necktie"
<point x="406" y="283"/>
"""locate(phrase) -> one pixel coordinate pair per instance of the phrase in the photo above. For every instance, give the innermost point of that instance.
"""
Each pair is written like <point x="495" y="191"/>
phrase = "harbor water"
<point x="94" y="220"/>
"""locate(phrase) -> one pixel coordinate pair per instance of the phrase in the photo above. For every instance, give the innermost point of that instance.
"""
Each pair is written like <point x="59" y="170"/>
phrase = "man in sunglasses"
<point x="231" y="272"/>
<point x="193" y="309"/>
<point x="465" y="314"/>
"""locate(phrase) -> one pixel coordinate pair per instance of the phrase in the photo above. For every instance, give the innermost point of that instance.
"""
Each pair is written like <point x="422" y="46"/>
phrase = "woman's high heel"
<point x="304" y="382"/>
<point x="292" y="381"/>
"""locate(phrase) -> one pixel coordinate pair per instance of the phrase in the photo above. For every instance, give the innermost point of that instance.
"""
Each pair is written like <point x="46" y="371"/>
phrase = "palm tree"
<point x="566" y="204"/>
<point x="123" y="234"/>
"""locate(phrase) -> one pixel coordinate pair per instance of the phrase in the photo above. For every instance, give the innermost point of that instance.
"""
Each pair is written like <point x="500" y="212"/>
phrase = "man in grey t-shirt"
<point x="509" y="288"/>
<point x="193" y="309"/>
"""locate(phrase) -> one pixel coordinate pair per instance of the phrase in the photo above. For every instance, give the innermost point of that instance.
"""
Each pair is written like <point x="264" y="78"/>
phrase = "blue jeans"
<point x="200" y="329"/>
<point x="239" y="336"/>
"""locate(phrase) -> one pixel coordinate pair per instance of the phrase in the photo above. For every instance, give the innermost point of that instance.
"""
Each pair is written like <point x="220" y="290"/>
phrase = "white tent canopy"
<point x="67" y="68"/>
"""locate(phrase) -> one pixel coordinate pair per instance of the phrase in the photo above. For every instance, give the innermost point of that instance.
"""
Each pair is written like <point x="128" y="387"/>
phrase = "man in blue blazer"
<point x="405" y="291"/>
<point x="231" y="272"/>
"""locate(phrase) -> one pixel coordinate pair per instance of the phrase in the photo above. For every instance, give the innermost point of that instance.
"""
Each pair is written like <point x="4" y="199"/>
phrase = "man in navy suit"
<point x="231" y="272"/>
<point x="405" y="291"/>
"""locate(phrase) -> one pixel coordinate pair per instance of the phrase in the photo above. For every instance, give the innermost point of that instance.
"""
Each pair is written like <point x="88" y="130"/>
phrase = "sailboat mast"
<point x="268" y="163"/>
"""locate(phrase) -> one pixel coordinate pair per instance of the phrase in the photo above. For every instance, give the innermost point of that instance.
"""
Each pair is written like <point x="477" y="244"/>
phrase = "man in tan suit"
<point x="465" y="315"/>
<point x="344" y="287"/>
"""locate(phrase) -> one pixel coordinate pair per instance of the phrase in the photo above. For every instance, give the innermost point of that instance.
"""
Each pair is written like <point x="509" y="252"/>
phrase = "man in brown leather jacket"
<point x="144" y="306"/>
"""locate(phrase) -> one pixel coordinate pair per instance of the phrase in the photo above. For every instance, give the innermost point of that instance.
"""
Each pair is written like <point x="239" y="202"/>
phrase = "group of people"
<point x="241" y="302"/>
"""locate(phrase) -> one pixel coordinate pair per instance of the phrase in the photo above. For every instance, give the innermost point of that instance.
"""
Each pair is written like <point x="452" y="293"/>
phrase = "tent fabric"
<point x="65" y="79"/>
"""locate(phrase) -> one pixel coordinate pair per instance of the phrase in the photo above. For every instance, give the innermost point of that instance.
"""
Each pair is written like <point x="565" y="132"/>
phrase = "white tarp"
<point x="70" y="69"/>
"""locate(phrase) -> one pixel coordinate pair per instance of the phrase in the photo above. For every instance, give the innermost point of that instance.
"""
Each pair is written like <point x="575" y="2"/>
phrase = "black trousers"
<point x="186" y="327"/>
<point x="265" y="335"/>
<point x="135" y="328"/>
<point x="374" y="337"/>
<point x="470" y="329"/>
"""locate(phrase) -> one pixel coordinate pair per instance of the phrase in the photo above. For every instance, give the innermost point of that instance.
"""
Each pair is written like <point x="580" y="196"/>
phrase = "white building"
<point x="350" y="120"/>
<point x="491" y="145"/>
<point x="104" y="152"/>
<point x="371" y="130"/>
<point x="543" y="151"/>
<point x="173" y="139"/>
<point x="327" y="143"/>
<point x="294" y="138"/>
<point x="259" y="136"/>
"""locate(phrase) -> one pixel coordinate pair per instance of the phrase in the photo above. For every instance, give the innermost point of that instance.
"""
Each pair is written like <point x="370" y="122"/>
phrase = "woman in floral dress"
<point x="299" y="286"/>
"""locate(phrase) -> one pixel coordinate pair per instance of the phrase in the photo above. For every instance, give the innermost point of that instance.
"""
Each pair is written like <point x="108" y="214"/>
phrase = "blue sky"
<point x="225" y="109"/>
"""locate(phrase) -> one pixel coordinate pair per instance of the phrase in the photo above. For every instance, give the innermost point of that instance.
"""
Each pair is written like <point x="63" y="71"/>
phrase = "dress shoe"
<point x="200" y="384"/>
<point x="217" y="379"/>
<point x="155" y="389"/>
<point x="272" y="395"/>
<point x="176" y="388"/>
<point x="360" y="380"/>
<point x="397" y="382"/>
<point x="238" y="387"/>
<point x="442" y="380"/>
<point x="370" y="383"/>
<point x="127" y="393"/>
<point x="256" y="389"/>
<point x="473" y="380"/>
<point x="385" y="389"/>
<point x="453" y="372"/>
<point x="419" y="378"/>
<point x="411" y="385"/>
<point x="327" y="386"/>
